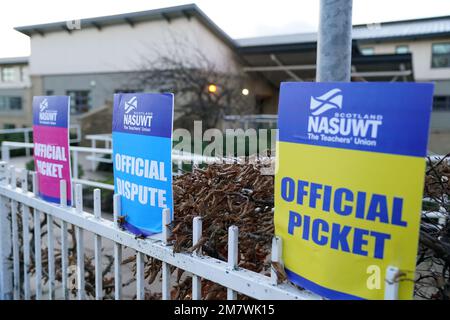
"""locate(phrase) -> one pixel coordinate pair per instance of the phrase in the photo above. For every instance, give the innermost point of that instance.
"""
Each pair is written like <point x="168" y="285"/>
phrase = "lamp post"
<point x="334" y="43"/>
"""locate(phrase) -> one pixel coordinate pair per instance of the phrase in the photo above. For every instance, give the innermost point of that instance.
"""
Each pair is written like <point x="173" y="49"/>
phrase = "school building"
<point x="91" y="59"/>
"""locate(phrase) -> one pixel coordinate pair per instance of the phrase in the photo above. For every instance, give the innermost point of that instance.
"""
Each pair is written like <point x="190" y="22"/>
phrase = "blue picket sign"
<point x="142" y="155"/>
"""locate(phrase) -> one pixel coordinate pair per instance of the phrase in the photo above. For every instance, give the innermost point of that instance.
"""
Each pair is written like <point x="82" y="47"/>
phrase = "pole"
<point x="334" y="42"/>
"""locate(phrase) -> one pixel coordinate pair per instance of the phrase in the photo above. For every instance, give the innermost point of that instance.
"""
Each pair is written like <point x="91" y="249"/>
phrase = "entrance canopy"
<point x="293" y="58"/>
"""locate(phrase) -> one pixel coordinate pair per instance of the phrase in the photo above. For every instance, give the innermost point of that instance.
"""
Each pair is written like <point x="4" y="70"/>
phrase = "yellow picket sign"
<point x="347" y="210"/>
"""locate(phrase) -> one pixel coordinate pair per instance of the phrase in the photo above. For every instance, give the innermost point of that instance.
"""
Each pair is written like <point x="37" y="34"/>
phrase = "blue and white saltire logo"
<point x="142" y="151"/>
<point x="330" y="100"/>
<point x="43" y="105"/>
<point x="131" y="104"/>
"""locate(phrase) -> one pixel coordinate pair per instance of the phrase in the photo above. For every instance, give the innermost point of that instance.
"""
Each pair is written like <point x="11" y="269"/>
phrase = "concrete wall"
<point x="18" y="118"/>
<point x="421" y="56"/>
<point x="102" y="85"/>
<point x="123" y="48"/>
<point x="106" y="60"/>
<point x="442" y="88"/>
<point x="21" y="77"/>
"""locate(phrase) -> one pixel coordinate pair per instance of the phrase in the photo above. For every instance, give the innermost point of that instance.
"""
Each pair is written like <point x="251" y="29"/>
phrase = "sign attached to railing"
<point x="51" y="145"/>
<point x="142" y="152"/>
<point x="349" y="183"/>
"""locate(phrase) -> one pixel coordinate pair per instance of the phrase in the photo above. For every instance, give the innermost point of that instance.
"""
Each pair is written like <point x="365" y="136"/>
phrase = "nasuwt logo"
<point x="46" y="115"/>
<point x="330" y="100"/>
<point x="43" y="105"/>
<point x="328" y="123"/>
<point x="131" y="105"/>
<point x="136" y="120"/>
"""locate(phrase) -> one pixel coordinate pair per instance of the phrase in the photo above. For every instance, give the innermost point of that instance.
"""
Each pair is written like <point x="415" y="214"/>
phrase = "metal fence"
<point x="256" y="121"/>
<point x="15" y="261"/>
<point x="74" y="129"/>
<point x="177" y="158"/>
<point x="22" y="214"/>
<point x="107" y="141"/>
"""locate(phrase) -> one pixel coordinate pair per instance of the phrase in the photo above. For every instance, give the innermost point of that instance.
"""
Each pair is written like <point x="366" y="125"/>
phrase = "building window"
<point x="126" y="91"/>
<point x="367" y="51"/>
<point x="15" y="103"/>
<point x="22" y="74"/>
<point x="440" y="55"/>
<point x="402" y="49"/>
<point x="80" y="101"/>
<point x="441" y="103"/>
<point x="49" y="92"/>
<point x="10" y="103"/>
<point x="8" y="74"/>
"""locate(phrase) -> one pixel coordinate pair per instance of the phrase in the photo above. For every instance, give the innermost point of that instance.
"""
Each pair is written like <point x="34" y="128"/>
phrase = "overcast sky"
<point x="238" y="18"/>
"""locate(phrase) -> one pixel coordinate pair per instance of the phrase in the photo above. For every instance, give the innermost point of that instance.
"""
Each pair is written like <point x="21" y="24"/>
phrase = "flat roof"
<point x="392" y="30"/>
<point x="279" y="44"/>
<point x="402" y="29"/>
<point x="14" y="60"/>
<point x="132" y="18"/>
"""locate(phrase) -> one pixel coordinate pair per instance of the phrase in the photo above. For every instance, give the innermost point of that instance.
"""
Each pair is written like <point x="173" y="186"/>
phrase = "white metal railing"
<point x="26" y="134"/>
<point x="34" y="209"/>
<point x="94" y="138"/>
<point x="75" y="150"/>
<point x="15" y="263"/>
<point x="249" y="120"/>
<point x="177" y="157"/>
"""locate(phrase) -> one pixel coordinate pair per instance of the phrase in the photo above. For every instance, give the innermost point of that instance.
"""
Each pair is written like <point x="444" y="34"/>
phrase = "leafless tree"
<point x="187" y="71"/>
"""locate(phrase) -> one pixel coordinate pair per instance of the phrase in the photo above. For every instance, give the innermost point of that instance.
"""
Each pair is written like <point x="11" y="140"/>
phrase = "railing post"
<point x="334" y="42"/>
<point x="233" y="253"/>
<point x="26" y="136"/>
<point x="78" y="133"/>
<point x="391" y="283"/>
<point x="276" y="258"/>
<point x="37" y="242"/>
<point x="140" y="289"/>
<point x="166" y="219"/>
<point x="5" y="152"/>
<point x="117" y="251"/>
<point x="75" y="164"/>
<point x="6" y="266"/>
<point x="80" y="244"/>
<point x="98" y="248"/>
<point x="15" y="237"/>
<point x="25" y="237"/>
<point x="64" y="244"/>
<point x="196" y="236"/>
<point x="93" y="155"/>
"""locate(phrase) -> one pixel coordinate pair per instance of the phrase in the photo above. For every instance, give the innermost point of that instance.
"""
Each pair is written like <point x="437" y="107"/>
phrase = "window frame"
<point x="445" y="102"/>
<point x="402" y="46"/>
<point x="5" y="103"/>
<point x="12" y="75"/>
<point x="368" y="48"/>
<point x="78" y="107"/>
<point x="433" y="45"/>
<point x="126" y="91"/>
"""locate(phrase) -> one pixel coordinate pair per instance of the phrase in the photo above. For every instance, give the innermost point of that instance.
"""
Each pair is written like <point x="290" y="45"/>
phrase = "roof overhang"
<point x="297" y="62"/>
<point x="168" y="14"/>
<point x="14" y="60"/>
